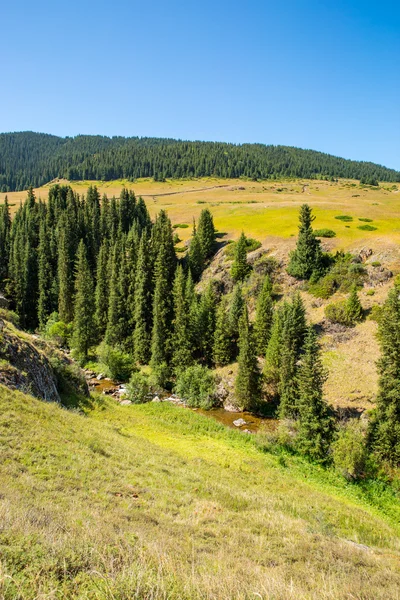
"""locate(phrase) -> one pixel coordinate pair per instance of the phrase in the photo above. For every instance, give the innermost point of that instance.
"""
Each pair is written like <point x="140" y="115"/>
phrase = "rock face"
<point x="25" y="366"/>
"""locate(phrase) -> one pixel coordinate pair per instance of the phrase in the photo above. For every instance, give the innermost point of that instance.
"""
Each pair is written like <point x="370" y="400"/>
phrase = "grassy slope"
<point x="156" y="501"/>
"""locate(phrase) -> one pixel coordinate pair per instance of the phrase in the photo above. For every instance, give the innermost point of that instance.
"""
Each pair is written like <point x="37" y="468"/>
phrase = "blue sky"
<point x="314" y="74"/>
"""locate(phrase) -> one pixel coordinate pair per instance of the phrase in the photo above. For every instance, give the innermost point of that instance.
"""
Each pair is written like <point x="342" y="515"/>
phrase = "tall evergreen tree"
<point x="354" y="310"/>
<point x="5" y="228"/>
<point x="264" y="314"/>
<point x="235" y="312"/>
<point x="247" y="384"/>
<point x="316" y="424"/>
<point x="65" y="274"/>
<point x="195" y="255"/>
<point x="206" y="314"/>
<point x="222" y="350"/>
<point x="102" y="290"/>
<point x="142" y="316"/>
<point x="307" y="258"/>
<point x="181" y="340"/>
<point x="240" y="268"/>
<point x="384" y="429"/>
<point x="161" y="311"/>
<point x="84" y="332"/>
<point x="47" y="300"/>
<point x="206" y="233"/>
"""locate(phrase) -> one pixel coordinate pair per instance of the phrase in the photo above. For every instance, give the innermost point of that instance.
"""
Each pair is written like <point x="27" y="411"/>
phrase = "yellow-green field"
<point x="157" y="502"/>
<point x="261" y="210"/>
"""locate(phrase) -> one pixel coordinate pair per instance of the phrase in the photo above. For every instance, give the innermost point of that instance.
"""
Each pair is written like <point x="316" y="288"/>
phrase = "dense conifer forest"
<point x="97" y="275"/>
<point x="28" y="158"/>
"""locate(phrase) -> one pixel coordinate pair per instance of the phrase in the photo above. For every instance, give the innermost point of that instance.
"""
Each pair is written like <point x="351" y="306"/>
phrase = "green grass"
<point x="156" y="501"/>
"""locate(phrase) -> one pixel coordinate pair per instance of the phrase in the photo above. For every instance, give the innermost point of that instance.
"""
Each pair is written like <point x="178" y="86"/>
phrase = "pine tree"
<point x="384" y="429"/>
<point x="102" y="290"/>
<point x="47" y="301"/>
<point x="264" y="314"/>
<point x="273" y="351"/>
<point x="5" y="228"/>
<point x="84" y="332"/>
<point x="206" y="323"/>
<point x="195" y="255"/>
<point x="222" y="339"/>
<point x="307" y="258"/>
<point x="247" y="384"/>
<point x="240" y="268"/>
<point x="354" y="310"/>
<point x="181" y="342"/>
<point x="161" y="311"/>
<point x="206" y="233"/>
<point x="288" y="381"/>
<point x="316" y="424"/>
<point x="65" y="274"/>
<point x="142" y="316"/>
<point x="235" y="312"/>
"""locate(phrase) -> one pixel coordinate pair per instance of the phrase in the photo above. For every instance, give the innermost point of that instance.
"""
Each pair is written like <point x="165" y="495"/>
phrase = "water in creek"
<point x="252" y="423"/>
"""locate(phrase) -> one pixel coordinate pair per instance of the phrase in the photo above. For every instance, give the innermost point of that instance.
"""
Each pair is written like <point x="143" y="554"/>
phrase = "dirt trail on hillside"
<point x="206" y="189"/>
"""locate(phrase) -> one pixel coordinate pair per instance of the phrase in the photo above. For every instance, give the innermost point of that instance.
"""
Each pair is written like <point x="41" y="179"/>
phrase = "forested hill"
<point x="28" y="158"/>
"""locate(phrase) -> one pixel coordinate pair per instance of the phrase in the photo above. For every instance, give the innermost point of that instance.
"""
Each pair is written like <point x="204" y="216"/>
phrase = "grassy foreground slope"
<point x="155" y="501"/>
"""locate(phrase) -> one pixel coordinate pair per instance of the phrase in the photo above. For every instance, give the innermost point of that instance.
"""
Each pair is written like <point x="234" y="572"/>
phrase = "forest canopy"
<point x="28" y="158"/>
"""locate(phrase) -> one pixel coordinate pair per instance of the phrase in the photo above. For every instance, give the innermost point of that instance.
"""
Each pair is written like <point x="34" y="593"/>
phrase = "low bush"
<point x="367" y="228"/>
<point x="345" y="218"/>
<point x="324" y="233"/>
<point x="138" y="388"/>
<point x="57" y="331"/>
<point x="118" y="363"/>
<point x="159" y="379"/>
<point x="342" y="275"/>
<point x="196" y="385"/>
<point x="251" y="245"/>
<point x="349" y="450"/>
<point x="180" y="225"/>
<point x="376" y="263"/>
<point x="364" y="220"/>
<point x="375" y="313"/>
<point x="336" y="313"/>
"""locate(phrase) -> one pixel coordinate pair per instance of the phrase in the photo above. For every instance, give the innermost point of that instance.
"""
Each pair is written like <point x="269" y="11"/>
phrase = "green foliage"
<point x="102" y="158"/>
<point x="346" y="312"/>
<point x="324" y="233"/>
<point x="58" y="331"/>
<point x="240" y="268"/>
<point x="349" y="450"/>
<point x="367" y="228"/>
<point x="264" y="315"/>
<point x="384" y="431"/>
<point x="206" y="233"/>
<point x="344" y="218"/>
<point x="196" y="258"/>
<point x="222" y="350"/>
<point x="316" y="423"/>
<point x="375" y="313"/>
<point x="248" y="383"/>
<point x="365" y="220"/>
<point x="343" y="274"/>
<point x="251" y="245"/>
<point x="84" y="331"/>
<point x="138" y="388"/>
<point x="376" y="263"/>
<point x="180" y="225"/>
<point x="307" y="258"/>
<point x="182" y="355"/>
<point x="196" y="385"/>
<point x="117" y="362"/>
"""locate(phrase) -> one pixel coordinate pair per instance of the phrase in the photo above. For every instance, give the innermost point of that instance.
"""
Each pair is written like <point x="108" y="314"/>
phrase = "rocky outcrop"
<point x="28" y="364"/>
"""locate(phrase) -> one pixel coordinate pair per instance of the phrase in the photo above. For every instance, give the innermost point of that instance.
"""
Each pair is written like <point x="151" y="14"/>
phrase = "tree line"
<point x="28" y="158"/>
<point x="105" y="273"/>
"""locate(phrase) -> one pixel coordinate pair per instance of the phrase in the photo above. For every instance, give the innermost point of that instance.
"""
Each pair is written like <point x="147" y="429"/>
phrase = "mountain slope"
<point x="155" y="501"/>
<point x="28" y="158"/>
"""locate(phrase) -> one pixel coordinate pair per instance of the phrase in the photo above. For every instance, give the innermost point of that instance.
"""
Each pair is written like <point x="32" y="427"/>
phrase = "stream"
<point x="252" y="423"/>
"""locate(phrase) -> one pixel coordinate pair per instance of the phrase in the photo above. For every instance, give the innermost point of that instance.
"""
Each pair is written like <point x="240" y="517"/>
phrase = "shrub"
<point x="196" y="385"/>
<point x="367" y="228"/>
<point x="349" y="450"/>
<point x="176" y="238"/>
<point x="159" y="377"/>
<point x="365" y="220"/>
<point x="118" y="363"/>
<point x="375" y="313"/>
<point x="138" y="388"/>
<point x="324" y="233"/>
<point x="345" y="218"/>
<point x="336" y="313"/>
<point x="58" y="331"/>
<point x="325" y="287"/>
<point x="251" y="245"/>
<point x="181" y="226"/>
<point x="376" y="263"/>
<point x="9" y="315"/>
<point x="370" y="292"/>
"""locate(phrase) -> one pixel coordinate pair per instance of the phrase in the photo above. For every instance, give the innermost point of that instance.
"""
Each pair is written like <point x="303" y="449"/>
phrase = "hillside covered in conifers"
<point x="28" y="158"/>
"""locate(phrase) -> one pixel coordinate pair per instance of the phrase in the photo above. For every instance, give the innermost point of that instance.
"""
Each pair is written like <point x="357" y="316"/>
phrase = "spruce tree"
<point x="316" y="424"/>
<point x="354" y="310"/>
<point x="247" y="384"/>
<point x="65" y="274"/>
<point x="264" y="314"/>
<point x="307" y="258"/>
<point x="5" y="227"/>
<point x="222" y="350"/>
<point x="47" y="301"/>
<point x="195" y="255"/>
<point x="161" y="311"/>
<point x="206" y="323"/>
<point x="181" y="342"/>
<point x="235" y="312"/>
<point x="102" y="290"/>
<point x="240" y="268"/>
<point x="206" y="233"/>
<point x="142" y="316"/>
<point x="384" y="429"/>
<point x="84" y="331"/>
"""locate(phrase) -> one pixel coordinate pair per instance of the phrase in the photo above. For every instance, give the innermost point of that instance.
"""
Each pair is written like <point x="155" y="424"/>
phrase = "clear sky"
<point x="320" y="74"/>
